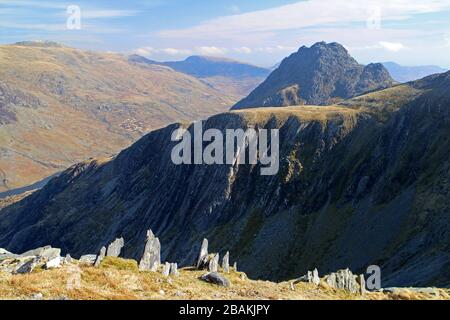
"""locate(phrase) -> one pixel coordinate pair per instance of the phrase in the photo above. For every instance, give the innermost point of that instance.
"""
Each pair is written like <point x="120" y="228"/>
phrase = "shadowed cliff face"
<point x="322" y="74"/>
<point x="365" y="182"/>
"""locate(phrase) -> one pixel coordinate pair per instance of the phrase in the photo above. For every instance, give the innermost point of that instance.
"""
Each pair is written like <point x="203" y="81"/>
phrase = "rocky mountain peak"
<point x="324" y="73"/>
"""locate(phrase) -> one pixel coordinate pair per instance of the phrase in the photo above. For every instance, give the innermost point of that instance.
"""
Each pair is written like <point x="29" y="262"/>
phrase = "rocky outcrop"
<point x="174" y="269"/>
<point x="151" y="258"/>
<point x="216" y="278"/>
<point x="53" y="263"/>
<point x="213" y="263"/>
<point x="43" y="257"/>
<point x="202" y="260"/>
<point x="115" y="248"/>
<point x="100" y="257"/>
<point x="310" y="277"/>
<point x="166" y="269"/>
<point x="320" y="75"/>
<point x="226" y="262"/>
<point x="343" y="279"/>
<point x="88" y="259"/>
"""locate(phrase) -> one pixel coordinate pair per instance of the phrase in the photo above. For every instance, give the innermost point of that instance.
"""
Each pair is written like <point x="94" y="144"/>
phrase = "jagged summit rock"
<point x="319" y="75"/>
<point x="310" y="277"/>
<point x="166" y="269"/>
<point x="226" y="262"/>
<point x="174" y="269"/>
<point x="202" y="259"/>
<point x="343" y="279"/>
<point x="115" y="248"/>
<point x="100" y="257"/>
<point x="213" y="263"/>
<point x="151" y="258"/>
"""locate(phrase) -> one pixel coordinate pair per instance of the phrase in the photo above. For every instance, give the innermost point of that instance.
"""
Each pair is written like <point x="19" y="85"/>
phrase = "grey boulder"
<point x="100" y="257"/>
<point x="216" y="278"/>
<point x="151" y="258"/>
<point x="88" y="259"/>
<point x="115" y="248"/>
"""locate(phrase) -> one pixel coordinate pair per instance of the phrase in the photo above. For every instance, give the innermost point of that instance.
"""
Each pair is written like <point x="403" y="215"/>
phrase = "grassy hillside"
<point x="59" y="106"/>
<point x="120" y="279"/>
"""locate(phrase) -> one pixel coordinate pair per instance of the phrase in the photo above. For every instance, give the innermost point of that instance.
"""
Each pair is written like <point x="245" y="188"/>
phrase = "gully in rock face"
<point x="237" y="142"/>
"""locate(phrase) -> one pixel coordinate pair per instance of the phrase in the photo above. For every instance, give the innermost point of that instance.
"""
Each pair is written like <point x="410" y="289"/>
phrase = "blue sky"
<point x="262" y="32"/>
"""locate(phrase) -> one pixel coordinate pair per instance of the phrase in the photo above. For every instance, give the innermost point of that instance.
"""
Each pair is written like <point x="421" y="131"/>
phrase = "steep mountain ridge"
<point x="60" y="105"/>
<point x="319" y="75"/>
<point x="361" y="183"/>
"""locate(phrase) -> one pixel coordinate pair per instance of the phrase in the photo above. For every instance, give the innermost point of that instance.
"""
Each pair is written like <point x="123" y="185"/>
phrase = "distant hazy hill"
<point x="410" y="73"/>
<point x="232" y="78"/>
<point x="319" y="75"/>
<point x="360" y="183"/>
<point x="59" y="106"/>
<point x="204" y="67"/>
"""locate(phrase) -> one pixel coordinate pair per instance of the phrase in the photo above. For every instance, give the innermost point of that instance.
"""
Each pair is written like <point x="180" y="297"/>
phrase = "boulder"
<point x="213" y="263"/>
<point x="47" y="252"/>
<point x="3" y="251"/>
<point x="226" y="262"/>
<point x="88" y="259"/>
<point x="54" y="263"/>
<point x="151" y="258"/>
<point x="68" y="259"/>
<point x="174" y="269"/>
<point x="343" y="279"/>
<point x="202" y="261"/>
<point x="26" y="266"/>
<point x="310" y="277"/>
<point x="362" y="284"/>
<point x="166" y="269"/>
<point x="316" y="278"/>
<point x="4" y="255"/>
<point x="216" y="278"/>
<point x="115" y="248"/>
<point x="100" y="257"/>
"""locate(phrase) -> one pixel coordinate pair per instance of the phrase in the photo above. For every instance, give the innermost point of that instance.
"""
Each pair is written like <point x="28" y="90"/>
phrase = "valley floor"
<point x="120" y="279"/>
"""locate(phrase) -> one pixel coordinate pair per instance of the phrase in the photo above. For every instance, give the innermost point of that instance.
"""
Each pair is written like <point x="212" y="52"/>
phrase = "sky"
<point x="261" y="32"/>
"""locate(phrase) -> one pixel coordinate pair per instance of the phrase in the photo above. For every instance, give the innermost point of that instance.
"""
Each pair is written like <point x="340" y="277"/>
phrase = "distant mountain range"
<point x="360" y="183"/>
<point x="232" y="78"/>
<point x="410" y="73"/>
<point x="59" y="106"/>
<point x="319" y="75"/>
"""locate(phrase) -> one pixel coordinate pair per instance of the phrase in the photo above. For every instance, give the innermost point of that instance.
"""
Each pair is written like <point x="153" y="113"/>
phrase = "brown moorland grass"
<point x="119" y="279"/>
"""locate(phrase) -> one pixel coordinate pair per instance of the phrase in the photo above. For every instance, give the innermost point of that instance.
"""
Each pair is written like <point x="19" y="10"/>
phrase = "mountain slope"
<point x="60" y="105"/>
<point x="361" y="183"/>
<point x="232" y="78"/>
<point x="410" y="73"/>
<point x="319" y="75"/>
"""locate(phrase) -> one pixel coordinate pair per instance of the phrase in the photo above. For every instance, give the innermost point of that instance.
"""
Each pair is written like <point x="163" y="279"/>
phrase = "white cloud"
<point x="273" y="49"/>
<point x="98" y="14"/>
<point x="245" y="50"/>
<point x="211" y="51"/>
<point x="149" y="51"/>
<point x="306" y="14"/>
<point x="392" y="46"/>
<point x="176" y="52"/>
